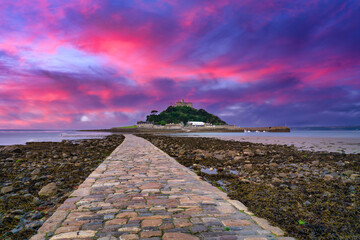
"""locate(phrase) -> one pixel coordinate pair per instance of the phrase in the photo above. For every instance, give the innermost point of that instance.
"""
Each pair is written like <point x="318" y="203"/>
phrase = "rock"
<point x="340" y="164"/>
<point x="354" y="176"/>
<point x="248" y="152"/>
<point x="282" y="174"/>
<point x="275" y="180"/>
<point x="315" y="163"/>
<point x="219" y="156"/>
<point x="35" y="172"/>
<point x="348" y="173"/>
<point x="328" y="177"/>
<point x="275" y="165"/>
<point x="248" y="166"/>
<point x="7" y="189"/>
<point x="17" y="229"/>
<point x="36" y="200"/>
<point x="35" y="177"/>
<point x="11" y="148"/>
<point x="34" y="225"/>
<point x="232" y="153"/>
<point x="260" y="152"/>
<point x="37" y="215"/>
<point x="196" y="166"/>
<point x="48" y="190"/>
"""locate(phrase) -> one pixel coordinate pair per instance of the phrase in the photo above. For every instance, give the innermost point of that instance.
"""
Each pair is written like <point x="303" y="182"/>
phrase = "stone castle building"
<point x="183" y="104"/>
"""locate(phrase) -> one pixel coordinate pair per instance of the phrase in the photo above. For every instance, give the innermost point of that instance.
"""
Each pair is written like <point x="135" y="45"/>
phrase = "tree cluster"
<point x="183" y="114"/>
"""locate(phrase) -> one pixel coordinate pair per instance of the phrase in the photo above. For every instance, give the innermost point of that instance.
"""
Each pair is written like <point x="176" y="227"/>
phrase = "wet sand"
<point x="342" y="145"/>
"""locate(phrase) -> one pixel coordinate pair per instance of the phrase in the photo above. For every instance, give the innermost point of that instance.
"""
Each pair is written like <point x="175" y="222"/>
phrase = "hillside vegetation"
<point x="184" y="114"/>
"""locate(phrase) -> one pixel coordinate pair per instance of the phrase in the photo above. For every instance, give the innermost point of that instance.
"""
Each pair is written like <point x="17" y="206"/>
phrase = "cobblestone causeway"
<point x="139" y="192"/>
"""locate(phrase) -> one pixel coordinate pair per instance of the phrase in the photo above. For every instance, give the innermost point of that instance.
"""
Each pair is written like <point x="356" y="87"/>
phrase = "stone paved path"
<point x="139" y="192"/>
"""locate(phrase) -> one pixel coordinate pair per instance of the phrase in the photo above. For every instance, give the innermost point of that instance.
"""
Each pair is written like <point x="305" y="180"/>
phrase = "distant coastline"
<point x="191" y="129"/>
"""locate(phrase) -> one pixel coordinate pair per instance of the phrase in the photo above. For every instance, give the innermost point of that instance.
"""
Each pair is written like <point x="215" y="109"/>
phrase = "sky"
<point x="84" y="64"/>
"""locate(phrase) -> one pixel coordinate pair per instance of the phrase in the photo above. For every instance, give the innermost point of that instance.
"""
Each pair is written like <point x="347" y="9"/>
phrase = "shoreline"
<point x="326" y="144"/>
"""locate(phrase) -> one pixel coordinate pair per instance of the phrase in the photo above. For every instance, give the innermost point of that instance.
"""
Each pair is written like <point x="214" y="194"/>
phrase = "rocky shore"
<point x="311" y="195"/>
<point x="333" y="144"/>
<point x="37" y="177"/>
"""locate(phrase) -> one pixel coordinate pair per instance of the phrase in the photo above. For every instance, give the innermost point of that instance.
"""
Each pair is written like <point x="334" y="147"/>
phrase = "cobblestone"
<point x="139" y="192"/>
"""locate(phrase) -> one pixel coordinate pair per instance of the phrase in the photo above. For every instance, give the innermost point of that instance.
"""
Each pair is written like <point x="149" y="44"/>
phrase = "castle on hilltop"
<point x="183" y="104"/>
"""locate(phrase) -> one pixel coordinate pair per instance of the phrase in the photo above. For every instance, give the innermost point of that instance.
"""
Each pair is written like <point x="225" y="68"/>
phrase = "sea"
<point x="316" y="132"/>
<point x="10" y="137"/>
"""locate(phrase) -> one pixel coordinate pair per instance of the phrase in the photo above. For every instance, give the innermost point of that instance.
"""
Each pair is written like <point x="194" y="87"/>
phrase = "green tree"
<point x="183" y="114"/>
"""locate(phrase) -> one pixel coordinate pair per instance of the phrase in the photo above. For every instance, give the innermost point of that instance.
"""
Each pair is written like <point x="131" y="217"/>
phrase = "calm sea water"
<point x="293" y="133"/>
<point x="9" y="137"/>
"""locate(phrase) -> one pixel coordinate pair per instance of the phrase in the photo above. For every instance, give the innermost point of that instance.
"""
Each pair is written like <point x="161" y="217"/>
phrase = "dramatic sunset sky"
<point x="85" y="64"/>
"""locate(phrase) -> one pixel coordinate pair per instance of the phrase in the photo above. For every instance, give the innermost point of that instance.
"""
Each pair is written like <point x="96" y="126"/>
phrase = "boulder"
<point x="11" y="148"/>
<point x="348" y="173"/>
<point x="248" y="152"/>
<point x="35" y="172"/>
<point x="354" y="176"/>
<point x="248" y="166"/>
<point x="7" y="189"/>
<point x="283" y="174"/>
<point x="276" y="180"/>
<point x="275" y="165"/>
<point x="328" y="177"/>
<point x="48" y="190"/>
<point x="260" y="152"/>
<point x="232" y="153"/>
<point x="219" y="156"/>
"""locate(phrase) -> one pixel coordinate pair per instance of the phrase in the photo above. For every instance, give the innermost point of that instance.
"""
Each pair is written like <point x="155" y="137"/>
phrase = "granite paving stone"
<point x="139" y="192"/>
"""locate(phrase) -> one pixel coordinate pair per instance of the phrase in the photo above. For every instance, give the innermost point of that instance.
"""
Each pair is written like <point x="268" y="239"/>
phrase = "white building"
<point x="196" y="124"/>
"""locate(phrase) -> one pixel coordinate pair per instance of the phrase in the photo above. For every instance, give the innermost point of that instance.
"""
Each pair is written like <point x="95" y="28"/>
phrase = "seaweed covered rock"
<point x="37" y="177"/>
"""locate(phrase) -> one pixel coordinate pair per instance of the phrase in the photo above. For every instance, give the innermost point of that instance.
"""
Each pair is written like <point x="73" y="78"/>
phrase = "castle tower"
<point x="182" y="103"/>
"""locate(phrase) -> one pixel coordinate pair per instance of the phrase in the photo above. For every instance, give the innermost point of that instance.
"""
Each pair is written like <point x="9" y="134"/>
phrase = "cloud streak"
<point x="90" y="64"/>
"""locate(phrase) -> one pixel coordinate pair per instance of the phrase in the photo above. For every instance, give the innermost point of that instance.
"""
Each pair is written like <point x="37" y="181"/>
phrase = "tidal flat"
<point x="309" y="194"/>
<point x="37" y="177"/>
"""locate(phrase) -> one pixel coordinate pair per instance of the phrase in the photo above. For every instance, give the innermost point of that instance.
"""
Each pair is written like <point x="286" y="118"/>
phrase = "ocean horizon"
<point x="21" y="136"/>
